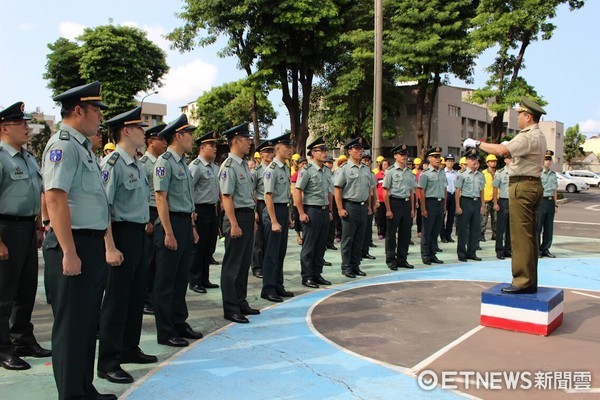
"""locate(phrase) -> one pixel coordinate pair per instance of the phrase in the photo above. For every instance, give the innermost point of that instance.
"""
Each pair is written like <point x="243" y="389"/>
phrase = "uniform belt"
<point x="317" y="207"/>
<point x="513" y="179"/>
<point x="154" y="209"/>
<point x="245" y="209"/>
<point x="362" y="203"/>
<point x="180" y="214"/>
<point x="504" y="198"/>
<point x="15" y="218"/>
<point x="97" y="233"/>
<point x="470" y="198"/>
<point x="260" y="201"/>
<point x="205" y="205"/>
<point x="551" y="198"/>
<point x="282" y="204"/>
<point x="400" y="198"/>
<point x="129" y="224"/>
<point x="435" y="198"/>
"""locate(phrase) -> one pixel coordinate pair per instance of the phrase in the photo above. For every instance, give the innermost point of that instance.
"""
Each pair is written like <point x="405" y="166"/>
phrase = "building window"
<point x="453" y="111"/>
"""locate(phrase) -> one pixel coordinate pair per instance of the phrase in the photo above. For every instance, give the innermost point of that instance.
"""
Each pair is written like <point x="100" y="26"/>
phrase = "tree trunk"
<point x="291" y="99"/>
<point x="431" y="97"/>
<point x="420" y="105"/>
<point x="497" y="127"/>
<point x="302" y="136"/>
<point x="254" y="114"/>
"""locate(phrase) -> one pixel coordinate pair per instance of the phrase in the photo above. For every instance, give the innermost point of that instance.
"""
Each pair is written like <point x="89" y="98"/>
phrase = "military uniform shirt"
<point x="527" y="151"/>
<point x="355" y="181"/>
<point x="205" y="180"/>
<point x="501" y="182"/>
<point x="276" y="180"/>
<point x="434" y="182"/>
<point x="399" y="181"/>
<point x="470" y="183"/>
<point x="549" y="182"/>
<point x="20" y="182"/>
<point x="172" y="175"/>
<point x="148" y="161"/>
<point x="315" y="184"/>
<point x="69" y="165"/>
<point x="235" y="179"/>
<point x="329" y="174"/>
<point x="451" y="177"/>
<point x="126" y="185"/>
<point x="257" y="177"/>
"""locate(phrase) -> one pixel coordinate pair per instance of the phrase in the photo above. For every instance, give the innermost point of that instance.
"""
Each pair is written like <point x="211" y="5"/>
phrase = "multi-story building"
<point x="189" y="110"/>
<point x="153" y="113"/>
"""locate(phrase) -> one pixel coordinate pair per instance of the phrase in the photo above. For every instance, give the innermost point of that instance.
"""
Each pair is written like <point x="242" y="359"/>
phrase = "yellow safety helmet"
<point x="296" y="157"/>
<point x="491" y="157"/>
<point x="463" y="160"/>
<point x="343" y="157"/>
<point x="256" y="154"/>
<point x="417" y="161"/>
<point x="380" y="158"/>
<point x="109" y="146"/>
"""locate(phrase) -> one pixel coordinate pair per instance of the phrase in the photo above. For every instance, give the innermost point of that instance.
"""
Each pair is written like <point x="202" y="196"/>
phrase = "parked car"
<point x="588" y="176"/>
<point x="571" y="185"/>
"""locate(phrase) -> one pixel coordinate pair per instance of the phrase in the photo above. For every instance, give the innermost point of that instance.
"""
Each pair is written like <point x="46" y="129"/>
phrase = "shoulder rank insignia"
<point x="228" y="162"/>
<point x="113" y="158"/>
<point x="144" y="159"/>
<point x="64" y="135"/>
<point x="196" y="161"/>
<point x="273" y="166"/>
<point x="307" y="166"/>
<point x="166" y="155"/>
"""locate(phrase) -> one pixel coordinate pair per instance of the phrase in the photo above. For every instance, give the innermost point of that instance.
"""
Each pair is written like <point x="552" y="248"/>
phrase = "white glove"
<point x="504" y="143"/>
<point x="470" y="143"/>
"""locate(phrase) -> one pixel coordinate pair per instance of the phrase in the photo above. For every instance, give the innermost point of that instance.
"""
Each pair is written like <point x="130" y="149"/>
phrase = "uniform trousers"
<point x="236" y="260"/>
<point x="18" y="284"/>
<point x="259" y="239"/>
<point x="469" y="223"/>
<point x="207" y="228"/>
<point x="353" y="234"/>
<point x="123" y="304"/>
<point x="151" y="259"/>
<point x="448" y="220"/>
<point x="75" y="304"/>
<point x="524" y="200"/>
<point x="545" y="225"/>
<point x="431" y="227"/>
<point x="314" y="241"/>
<point x="275" y="249"/>
<point x="398" y="232"/>
<point x="368" y="238"/>
<point x="172" y="272"/>
<point x="503" y="229"/>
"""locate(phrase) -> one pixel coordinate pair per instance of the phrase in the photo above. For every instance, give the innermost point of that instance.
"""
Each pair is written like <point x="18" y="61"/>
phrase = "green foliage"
<point x="228" y="105"/>
<point x="573" y="142"/>
<point x="38" y="142"/>
<point x="120" y="57"/>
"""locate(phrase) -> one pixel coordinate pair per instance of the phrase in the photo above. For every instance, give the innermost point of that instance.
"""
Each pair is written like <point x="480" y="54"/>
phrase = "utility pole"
<point x="376" y="145"/>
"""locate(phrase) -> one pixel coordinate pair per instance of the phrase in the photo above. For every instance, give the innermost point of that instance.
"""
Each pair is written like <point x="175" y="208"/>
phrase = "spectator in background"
<point x="380" y="218"/>
<point x="301" y="162"/>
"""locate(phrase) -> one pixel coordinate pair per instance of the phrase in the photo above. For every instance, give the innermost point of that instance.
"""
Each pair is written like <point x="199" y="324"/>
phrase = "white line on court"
<point x="585" y="294"/>
<point x="578" y="223"/>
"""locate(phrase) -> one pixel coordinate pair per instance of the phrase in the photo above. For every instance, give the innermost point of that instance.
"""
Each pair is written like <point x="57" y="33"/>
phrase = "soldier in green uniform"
<point x="500" y="184"/>
<point x="205" y="174"/>
<point x="174" y="235"/>
<point x="20" y="236"/>
<point x="469" y="192"/>
<point x="155" y="146"/>
<point x="74" y="251"/>
<point x="548" y="206"/>
<point x="276" y="220"/>
<point x="525" y="191"/>
<point x="267" y="153"/>
<point x="236" y="186"/>
<point x="313" y="198"/>
<point x="353" y="183"/>
<point x="432" y="195"/>
<point x="399" y="185"/>
<point x="126" y="244"/>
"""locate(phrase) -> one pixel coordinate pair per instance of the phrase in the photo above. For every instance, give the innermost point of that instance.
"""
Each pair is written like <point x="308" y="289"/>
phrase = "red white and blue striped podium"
<point x="538" y="313"/>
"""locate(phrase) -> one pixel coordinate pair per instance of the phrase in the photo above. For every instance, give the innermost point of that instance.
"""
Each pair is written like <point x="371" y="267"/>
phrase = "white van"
<point x="591" y="178"/>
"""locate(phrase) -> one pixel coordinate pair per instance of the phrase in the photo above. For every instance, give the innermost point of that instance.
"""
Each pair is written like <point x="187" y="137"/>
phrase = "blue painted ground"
<point x="277" y="356"/>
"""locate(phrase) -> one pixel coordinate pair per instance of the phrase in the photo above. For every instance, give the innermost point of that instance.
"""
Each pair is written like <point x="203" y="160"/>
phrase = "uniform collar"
<point x="176" y="156"/>
<point x="126" y="157"/>
<point x="150" y="156"/>
<point x="279" y="163"/>
<point x="397" y="166"/>
<point x="530" y="127"/>
<point x="11" y="150"/>
<point x="236" y="158"/>
<point x="471" y="172"/>
<point x="317" y="165"/>
<point x="360" y="165"/>
<point x="76" y="134"/>
<point x="203" y="161"/>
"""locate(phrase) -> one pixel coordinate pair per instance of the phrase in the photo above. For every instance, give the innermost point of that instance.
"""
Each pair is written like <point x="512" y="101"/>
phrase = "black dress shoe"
<point x="310" y="283"/>
<point x="105" y="396"/>
<point x="189" y="333"/>
<point x="285" y="293"/>
<point x="444" y="240"/>
<point x="393" y="267"/>
<point x="331" y="247"/>
<point x="13" y="363"/>
<point x="493" y="236"/>
<point x="247" y="310"/>
<point x="411" y="243"/>
<point x="137" y="358"/>
<point x="518" y="290"/>
<point x="272" y="297"/>
<point x="174" y="341"/>
<point x="197" y="288"/>
<point x="482" y="239"/>
<point x="372" y="245"/>
<point x="240" y="319"/>
<point x="212" y="261"/>
<point x="508" y="254"/>
<point x="368" y="256"/>
<point x="436" y="260"/>
<point x="148" y="309"/>
<point x="322" y="281"/>
<point x="438" y="250"/>
<point x="33" y="350"/>
<point x="500" y="256"/>
<point x="209" y="285"/>
<point x="463" y="259"/>
<point x="258" y="273"/>
<point x="427" y="262"/>
<point x="327" y="263"/>
<point x="478" y="247"/>
<point x="116" y="376"/>
<point x="475" y="258"/>
<point x="405" y="265"/>
<point x="358" y="272"/>
<point x="348" y="274"/>
<point x="547" y="254"/>
<point x="450" y="240"/>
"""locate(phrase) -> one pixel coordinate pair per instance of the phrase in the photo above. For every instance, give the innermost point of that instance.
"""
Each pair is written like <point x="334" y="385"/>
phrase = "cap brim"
<point x="99" y="104"/>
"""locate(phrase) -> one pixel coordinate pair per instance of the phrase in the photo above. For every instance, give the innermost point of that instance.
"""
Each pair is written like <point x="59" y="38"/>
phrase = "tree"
<point x="230" y="104"/>
<point x="427" y="40"/>
<point x="38" y="142"/>
<point x="573" y="143"/>
<point x="512" y="25"/>
<point x="120" y="57"/>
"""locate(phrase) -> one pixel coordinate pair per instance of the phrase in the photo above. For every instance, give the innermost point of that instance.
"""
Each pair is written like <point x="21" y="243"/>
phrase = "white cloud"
<point x="26" y="26"/>
<point x="70" y="30"/>
<point x="155" y="34"/>
<point x="590" y="126"/>
<point x="187" y="82"/>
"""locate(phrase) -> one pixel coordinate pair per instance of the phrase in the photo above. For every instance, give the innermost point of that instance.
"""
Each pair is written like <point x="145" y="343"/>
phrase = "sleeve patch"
<point x="223" y="175"/>
<point x="105" y="176"/>
<point x="160" y="172"/>
<point x="56" y="156"/>
<point x="268" y="175"/>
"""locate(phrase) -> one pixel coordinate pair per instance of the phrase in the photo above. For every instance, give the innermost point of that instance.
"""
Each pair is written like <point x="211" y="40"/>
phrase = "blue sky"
<point x="563" y="70"/>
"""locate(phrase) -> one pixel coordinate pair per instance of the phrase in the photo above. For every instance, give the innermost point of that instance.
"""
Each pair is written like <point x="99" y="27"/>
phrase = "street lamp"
<point x="149" y="94"/>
